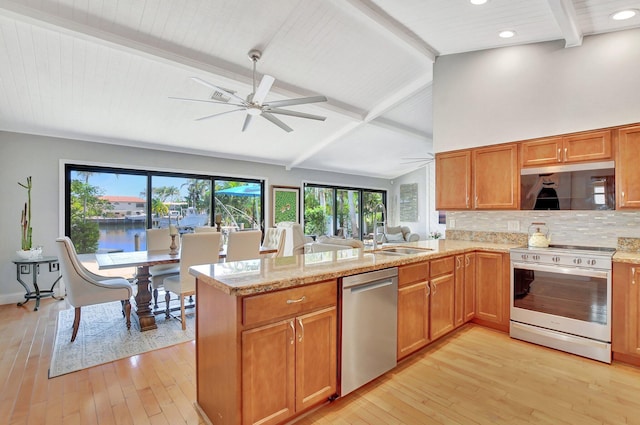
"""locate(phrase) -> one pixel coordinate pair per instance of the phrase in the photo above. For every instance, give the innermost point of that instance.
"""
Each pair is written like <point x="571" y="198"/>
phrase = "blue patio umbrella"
<point x="246" y="190"/>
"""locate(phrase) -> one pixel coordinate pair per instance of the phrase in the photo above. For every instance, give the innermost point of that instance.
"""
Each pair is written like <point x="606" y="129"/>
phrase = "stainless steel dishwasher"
<point x="369" y="327"/>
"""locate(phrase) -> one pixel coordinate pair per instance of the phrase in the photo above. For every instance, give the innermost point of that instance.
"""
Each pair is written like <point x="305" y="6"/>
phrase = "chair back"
<point x="243" y="245"/>
<point x="160" y="239"/>
<point x="198" y="248"/>
<point x="274" y="239"/>
<point x="294" y="239"/>
<point x="82" y="289"/>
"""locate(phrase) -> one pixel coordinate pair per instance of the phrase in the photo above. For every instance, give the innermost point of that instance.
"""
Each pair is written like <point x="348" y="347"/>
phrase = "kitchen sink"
<point x="402" y="250"/>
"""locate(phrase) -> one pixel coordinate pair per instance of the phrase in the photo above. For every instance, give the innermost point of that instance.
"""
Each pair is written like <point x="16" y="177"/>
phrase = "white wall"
<point x="427" y="216"/>
<point x="522" y="92"/>
<point x="24" y="155"/>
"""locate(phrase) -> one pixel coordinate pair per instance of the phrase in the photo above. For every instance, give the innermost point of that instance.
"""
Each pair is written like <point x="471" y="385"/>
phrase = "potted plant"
<point x="27" y="251"/>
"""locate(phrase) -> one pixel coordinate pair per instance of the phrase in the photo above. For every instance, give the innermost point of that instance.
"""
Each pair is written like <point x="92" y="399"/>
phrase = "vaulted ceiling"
<point x="105" y="71"/>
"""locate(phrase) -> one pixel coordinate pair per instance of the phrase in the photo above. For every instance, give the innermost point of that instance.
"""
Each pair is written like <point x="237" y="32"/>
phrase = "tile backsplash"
<point x="594" y="228"/>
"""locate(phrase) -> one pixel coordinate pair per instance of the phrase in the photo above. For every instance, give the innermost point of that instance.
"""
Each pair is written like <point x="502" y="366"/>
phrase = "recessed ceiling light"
<point x="507" y="33"/>
<point x="477" y="2"/>
<point x="624" y="14"/>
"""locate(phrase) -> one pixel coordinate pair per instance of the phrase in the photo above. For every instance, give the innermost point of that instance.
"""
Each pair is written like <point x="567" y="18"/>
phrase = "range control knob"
<point x="555" y="259"/>
<point x="591" y="262"/>
<point x="536" y="257"/>
<point x="524" y="256"/>
<point x="577" y="261"/>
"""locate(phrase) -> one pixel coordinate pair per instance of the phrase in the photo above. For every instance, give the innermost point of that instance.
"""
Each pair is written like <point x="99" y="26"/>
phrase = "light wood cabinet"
<point x="627" y="170"/>
<point x="625" y="321"/>
<point x="453" y="180"/>
<point x="496" y="177"/>
<point x="442" y="283"/>
<point x="482" y="178"/>
<point x="469" y="286"/>
<point x="580" y="147"/>
<point x="288" y="366"/>
<point x="492" y="290"/>
<point x="465" y="295"/>
<point x="413" y="308"/>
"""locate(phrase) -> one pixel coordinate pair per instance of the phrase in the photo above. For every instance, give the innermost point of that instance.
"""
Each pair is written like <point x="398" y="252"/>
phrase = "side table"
<point x="32" y="267"/>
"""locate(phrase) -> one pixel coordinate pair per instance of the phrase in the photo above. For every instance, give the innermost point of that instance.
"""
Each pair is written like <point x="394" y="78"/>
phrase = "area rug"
<point x="103" y="337"/>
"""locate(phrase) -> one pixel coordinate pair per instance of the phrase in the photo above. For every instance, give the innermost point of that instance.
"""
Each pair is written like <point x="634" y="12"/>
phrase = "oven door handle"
<point x="561" y="269"/>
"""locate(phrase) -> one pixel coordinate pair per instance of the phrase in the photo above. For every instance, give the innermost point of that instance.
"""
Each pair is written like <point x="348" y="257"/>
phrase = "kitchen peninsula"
<point x="267" y="331"/>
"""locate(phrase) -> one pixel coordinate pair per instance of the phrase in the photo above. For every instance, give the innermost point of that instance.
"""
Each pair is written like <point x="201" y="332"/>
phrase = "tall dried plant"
<point x="25" y="221"/>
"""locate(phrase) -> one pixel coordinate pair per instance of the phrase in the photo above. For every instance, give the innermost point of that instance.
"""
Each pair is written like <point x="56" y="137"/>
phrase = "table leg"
<point x="24" y="285"/>
<point x="143" y="300"/>
<point x="36" y="268"/>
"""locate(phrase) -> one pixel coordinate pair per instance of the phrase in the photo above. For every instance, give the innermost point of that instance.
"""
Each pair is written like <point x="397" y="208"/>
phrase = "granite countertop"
<point x="626" y="257"/>
<point x="257" y="276"/>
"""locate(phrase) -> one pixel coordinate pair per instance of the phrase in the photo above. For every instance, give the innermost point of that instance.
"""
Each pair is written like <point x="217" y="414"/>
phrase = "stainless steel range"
<point x="561" y="298"/>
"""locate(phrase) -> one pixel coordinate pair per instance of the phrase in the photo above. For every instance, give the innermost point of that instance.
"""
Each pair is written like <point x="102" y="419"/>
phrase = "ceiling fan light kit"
<point x="255" y="104"/>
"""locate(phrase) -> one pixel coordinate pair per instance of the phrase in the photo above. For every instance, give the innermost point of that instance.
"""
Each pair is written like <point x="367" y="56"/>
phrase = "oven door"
<point x="566" y="299"/>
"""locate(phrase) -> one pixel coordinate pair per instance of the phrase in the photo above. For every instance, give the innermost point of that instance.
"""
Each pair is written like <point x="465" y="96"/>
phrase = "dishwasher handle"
<point x="365" y="278"/>
<point x="370" y="286"/>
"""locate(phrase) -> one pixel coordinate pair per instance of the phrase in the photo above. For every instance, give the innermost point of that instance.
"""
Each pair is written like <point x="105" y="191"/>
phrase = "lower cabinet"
<point x="442" y="308"/>
<point x="465" y="293"/>
<point x="413" y="308"/>
<point x="625" y="308"/>
<point x="288" y="366"/>
<point x="492" y="289"/>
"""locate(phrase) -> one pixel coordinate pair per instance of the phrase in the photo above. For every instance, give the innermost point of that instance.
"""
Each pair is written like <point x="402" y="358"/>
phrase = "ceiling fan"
<point x="424" y="160"/>
<point x="255" y="104"/>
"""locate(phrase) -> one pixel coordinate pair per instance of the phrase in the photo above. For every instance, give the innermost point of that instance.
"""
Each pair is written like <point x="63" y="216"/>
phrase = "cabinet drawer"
<point x="442" y="266"/>
<point x="413" y="273"/>
<point x="289" y="302"/>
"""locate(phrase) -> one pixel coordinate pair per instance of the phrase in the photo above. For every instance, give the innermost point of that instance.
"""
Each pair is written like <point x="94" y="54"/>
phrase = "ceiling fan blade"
<point x="263" y="89"/>
<point x="204" y="100"/>
<point x="295" y="114"/>
<point x="298" y="101"/>
<point x="211" y="86"/>
<point x="247" y="121"/>
<point x="277" y="122"/>
<point x="218" y="114"/>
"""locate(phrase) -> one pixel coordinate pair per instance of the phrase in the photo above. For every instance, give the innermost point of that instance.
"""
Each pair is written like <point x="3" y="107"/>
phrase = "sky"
<point x="131" y="185"/>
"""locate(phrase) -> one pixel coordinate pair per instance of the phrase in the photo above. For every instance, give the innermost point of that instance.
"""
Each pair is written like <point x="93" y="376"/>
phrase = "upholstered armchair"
<point x="85" y="288"/>
<point x="397" y="234"/>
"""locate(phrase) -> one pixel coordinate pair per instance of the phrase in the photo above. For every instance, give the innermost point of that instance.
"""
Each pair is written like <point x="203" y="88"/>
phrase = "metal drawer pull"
<point x="293" y="332"/>
<point x="565" y="154"/>
<point x="299" y="300"/>
<point x="559" y="160"/>
<point x="633" y="275"/>
<point x="428" y="289"/>
<point x="301" y="336"/>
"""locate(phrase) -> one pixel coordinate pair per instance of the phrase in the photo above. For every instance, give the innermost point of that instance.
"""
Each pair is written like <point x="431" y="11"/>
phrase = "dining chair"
<point x="195" y="249"/>
<point x="85" y="288"/>
<point x="295" y="239"/>
<point x="160" y="239"/>
<point x="203" y="229"/>
<point x="243" y="245"/>
<point x="274" y="239"/>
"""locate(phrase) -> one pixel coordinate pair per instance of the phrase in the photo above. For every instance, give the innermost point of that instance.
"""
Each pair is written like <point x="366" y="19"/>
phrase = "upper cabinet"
<point x="627" y="170"/>
<point x="483" y="178"/>
<point x="453" y="180"/>
<point x="579" y="147"/>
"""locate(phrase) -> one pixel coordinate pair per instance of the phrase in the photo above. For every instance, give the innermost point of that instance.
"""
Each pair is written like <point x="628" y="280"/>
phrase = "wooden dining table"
<point x="142" y="260"/>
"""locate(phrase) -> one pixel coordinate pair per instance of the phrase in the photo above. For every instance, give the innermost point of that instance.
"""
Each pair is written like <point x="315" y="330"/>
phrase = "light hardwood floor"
<point x="475" y="376"/>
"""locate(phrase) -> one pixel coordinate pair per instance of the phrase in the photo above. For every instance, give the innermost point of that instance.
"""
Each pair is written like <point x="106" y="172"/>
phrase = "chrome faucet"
<point x="375" y="224"/>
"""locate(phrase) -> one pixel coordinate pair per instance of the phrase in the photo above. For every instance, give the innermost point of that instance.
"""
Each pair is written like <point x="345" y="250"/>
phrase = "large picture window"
<point x="341" y="211"/>
<point x="109" y="209"/>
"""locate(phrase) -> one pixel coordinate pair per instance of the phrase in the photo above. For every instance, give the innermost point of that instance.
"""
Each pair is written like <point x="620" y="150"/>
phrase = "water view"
<point x="121" y="236"/>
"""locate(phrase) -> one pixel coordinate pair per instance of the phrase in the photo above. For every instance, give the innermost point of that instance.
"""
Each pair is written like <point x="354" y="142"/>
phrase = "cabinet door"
<point x="589" y="146"/>
<point x="496" y="177"/>
<point x="442" y="305"/>
<point x="459" y="291"/>
<point x="268" y="373"/>
<point x="413" y="318"/>
<point x="535" y="153"/>
<point x="469" y="286"/>
<point x="625" y="329"/>
<point x="489" y="287"/>
<point x="453" y="180"/>
<point x="316" y="355"/>
<point x="627" y="170"/>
